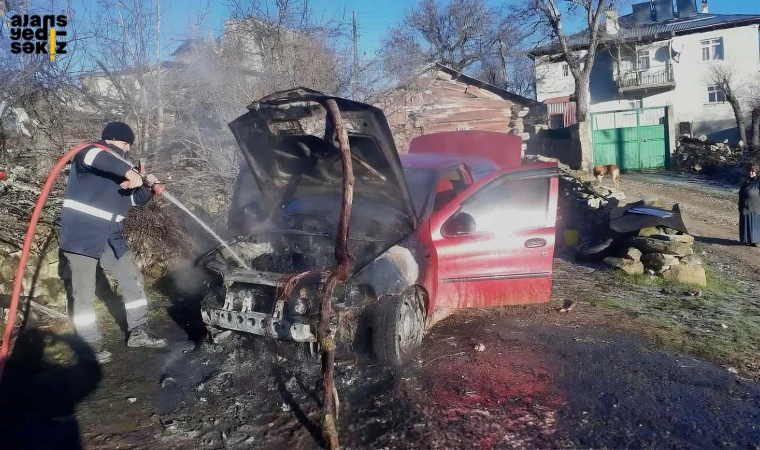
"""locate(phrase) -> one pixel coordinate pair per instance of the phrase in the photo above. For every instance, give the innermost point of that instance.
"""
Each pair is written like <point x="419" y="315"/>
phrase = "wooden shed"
<point x="440" y="98"/>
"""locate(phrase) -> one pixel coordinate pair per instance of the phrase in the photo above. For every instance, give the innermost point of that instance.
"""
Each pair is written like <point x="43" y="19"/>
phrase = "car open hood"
<point x="289" y="144"/>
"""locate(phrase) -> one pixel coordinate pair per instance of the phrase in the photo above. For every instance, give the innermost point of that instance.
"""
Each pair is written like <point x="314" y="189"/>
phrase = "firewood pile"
<point x="697" y="154"/>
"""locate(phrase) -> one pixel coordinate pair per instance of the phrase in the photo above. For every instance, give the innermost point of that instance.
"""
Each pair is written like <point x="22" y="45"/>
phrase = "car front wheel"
<point x="399" y="324"/>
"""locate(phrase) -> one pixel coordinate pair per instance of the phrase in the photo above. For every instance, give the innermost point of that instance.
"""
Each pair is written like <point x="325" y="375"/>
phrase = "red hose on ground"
<point x="4" y="351"/>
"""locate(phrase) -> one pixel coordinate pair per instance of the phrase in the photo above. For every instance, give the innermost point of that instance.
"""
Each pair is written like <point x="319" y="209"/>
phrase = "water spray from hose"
<point x="160" y="189"/>
<point x="179" y="205"/>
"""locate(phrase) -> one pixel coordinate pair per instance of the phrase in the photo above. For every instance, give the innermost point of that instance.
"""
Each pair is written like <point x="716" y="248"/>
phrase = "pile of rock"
<point x="517" y="125"/>
<point x="696" y="154"/>
<point x="661" y="251"/>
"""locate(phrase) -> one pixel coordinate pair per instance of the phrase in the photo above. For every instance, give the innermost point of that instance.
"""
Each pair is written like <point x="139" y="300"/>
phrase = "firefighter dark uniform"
<point x="94" y="208"/>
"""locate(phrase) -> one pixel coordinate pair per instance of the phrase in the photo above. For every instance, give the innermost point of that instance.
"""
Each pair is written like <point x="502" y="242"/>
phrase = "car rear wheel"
<point x="398" y="327"/>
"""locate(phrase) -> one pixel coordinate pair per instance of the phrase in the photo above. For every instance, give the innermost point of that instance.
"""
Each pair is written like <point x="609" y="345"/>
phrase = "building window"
<point x="565" y="70"/>
<point x="634" y="103"/>
<point x="712" y="49"/>
<point x="715" y="94"/>
<point x="556" y="121"/>
<point x="642" y="60"/>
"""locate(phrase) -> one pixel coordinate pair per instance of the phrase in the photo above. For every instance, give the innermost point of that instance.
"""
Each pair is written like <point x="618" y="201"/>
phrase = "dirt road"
<point x="590" y="378"/>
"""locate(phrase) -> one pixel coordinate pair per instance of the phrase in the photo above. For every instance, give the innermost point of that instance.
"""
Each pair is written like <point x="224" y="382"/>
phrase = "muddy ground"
<point x="611" y="373"/>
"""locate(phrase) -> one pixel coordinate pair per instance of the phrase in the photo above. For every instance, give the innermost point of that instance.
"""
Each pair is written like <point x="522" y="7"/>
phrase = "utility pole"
<point x="306" y="12"/>
<point x="355" y="37"/>
<point x="160" y="112"/>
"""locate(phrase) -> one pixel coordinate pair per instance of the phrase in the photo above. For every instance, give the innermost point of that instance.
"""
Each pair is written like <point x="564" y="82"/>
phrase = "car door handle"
<point x="535" y="243"/>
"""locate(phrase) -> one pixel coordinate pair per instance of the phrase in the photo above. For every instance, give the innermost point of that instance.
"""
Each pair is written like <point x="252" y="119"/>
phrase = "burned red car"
<point x="456" y="223"/>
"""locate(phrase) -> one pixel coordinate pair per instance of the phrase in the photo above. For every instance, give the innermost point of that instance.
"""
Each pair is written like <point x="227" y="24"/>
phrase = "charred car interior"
<point x="285" y="210"/>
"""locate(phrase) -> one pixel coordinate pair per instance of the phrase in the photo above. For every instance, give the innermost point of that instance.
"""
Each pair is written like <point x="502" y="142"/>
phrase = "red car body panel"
<point x="487" y="268"/>
<point x="505" y="150"/>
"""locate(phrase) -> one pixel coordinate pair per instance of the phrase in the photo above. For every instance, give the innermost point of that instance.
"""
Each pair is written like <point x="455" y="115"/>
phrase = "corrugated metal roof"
<point x="658" y="30"/>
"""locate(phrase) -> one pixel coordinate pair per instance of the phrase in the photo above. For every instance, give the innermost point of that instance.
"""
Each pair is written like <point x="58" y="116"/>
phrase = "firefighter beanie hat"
<point x="118" y="131"/>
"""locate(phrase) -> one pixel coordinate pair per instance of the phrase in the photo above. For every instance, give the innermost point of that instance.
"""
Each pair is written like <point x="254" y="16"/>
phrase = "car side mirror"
<point x="462" y="223"/>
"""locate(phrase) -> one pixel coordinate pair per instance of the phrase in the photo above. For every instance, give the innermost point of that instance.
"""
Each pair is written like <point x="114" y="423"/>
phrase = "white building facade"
<point x="649" y="63"/>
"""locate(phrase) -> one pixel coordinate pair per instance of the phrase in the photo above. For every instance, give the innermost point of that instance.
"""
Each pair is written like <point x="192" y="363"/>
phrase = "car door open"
<point x="495" y="243"/>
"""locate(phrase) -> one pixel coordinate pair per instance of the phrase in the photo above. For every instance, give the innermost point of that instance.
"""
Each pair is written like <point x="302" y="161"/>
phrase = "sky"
<point x="374" y="16"/>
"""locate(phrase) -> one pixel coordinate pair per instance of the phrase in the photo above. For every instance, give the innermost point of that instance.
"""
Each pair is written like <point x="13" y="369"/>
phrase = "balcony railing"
<point x="661" y="76"/>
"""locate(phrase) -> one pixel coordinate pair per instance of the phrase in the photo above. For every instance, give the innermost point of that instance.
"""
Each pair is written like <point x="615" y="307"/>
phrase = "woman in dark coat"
<point x="749" y="208"/>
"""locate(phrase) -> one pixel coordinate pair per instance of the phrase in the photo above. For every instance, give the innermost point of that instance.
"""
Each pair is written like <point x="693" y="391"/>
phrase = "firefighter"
<point x="101" y="188"/>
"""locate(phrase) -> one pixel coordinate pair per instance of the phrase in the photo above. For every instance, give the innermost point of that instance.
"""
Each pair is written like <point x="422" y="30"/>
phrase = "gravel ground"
<point x="591" y="378"/>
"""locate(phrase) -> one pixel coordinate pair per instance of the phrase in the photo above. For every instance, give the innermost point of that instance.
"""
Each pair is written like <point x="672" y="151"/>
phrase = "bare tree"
<point x="118" y="69"/>
<point x="456" y="33"/>
<point x="754" y="106"/>
<point x="723" y="77"/>
<point x="510" y="70"/>
<point x="276" y="40"/>
<point x="552" y="16"/>
<point x="34" y="91"/>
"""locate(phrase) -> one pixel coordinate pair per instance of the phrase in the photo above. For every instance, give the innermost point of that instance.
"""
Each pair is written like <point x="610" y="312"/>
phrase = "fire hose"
<point x="16" y="294"/>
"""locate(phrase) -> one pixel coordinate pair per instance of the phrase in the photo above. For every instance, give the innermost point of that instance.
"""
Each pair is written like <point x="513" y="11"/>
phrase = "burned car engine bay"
<point x="285" y="210"/>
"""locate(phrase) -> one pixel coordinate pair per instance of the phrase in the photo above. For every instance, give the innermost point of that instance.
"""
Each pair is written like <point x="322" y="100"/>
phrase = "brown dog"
<point x="609" y="169"/>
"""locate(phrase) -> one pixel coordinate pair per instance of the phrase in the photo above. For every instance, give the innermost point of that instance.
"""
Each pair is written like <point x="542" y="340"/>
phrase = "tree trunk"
<point x="3" y="150"/>
<point x="756" y="127"/>
<point x="587" y="154"/>
<point x="159" y="97"/>
<point x="338" y="275"/>
<point x="332" y="279"/>
<point x="738" y="115"/>
<point x="582" y="99"/>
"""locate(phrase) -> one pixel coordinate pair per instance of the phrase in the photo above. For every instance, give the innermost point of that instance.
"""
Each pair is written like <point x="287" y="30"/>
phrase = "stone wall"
<point x="562" y="144"/>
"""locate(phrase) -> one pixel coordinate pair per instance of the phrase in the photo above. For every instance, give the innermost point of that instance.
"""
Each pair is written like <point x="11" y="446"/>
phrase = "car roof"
<point x="440" y="162"/>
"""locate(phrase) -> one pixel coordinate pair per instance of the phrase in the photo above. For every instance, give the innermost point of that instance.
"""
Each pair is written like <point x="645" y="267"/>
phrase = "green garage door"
<point x="631" y="139"/>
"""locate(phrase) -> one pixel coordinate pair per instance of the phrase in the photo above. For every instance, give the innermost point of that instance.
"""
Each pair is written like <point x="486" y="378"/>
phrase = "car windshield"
<point x="420" y="182"/>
